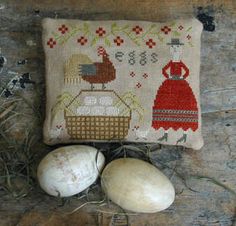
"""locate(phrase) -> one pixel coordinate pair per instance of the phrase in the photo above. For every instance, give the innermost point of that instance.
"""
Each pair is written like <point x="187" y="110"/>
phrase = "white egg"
<point x="83" y="110"/>
<point x="90" y="100"/>
<point x="112" y="111"/>
<point x="137" y="186"/>
<point x="106" y="100"/>
<point x="69" y="170"/>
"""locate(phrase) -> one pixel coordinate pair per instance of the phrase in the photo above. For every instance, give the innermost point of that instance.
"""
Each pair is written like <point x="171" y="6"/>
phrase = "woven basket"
<point x="97" y="127"/>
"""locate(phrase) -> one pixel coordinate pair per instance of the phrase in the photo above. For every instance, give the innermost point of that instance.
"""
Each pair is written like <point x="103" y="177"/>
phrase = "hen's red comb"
<point x="101" y="51"/>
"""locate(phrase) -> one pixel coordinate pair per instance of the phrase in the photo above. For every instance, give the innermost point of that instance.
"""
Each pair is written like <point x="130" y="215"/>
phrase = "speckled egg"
<point x="69" y="170"/>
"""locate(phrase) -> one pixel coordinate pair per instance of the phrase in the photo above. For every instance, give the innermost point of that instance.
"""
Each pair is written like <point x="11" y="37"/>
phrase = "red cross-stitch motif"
<point x="100" y="32"/>
<point x="137" y="29"/>
<point x="63" y="29"/>
<point x="51" y="42"/>
<point x="118" y="40"/>
<point x="132" y="74"/>
<point x="82" y="40"/>
<point x="145" y="75"/>
<point x="150" y="43"/>
<point x="138" y="85"/>
<point x="189" y="37"/>
<point x="166" y="30"/>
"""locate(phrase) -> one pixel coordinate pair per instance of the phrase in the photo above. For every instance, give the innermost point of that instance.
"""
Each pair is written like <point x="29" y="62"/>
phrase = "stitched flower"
<point x="189" y="37"/>
<point x="63" y="29"/>
<point x="137" y="29"/>
<point x="118" y="40"/>
<point x="145" y="75"/>
<point x="82" y="40"/>
<point x="150" y="43"/>
<point x="132" y="74"/>
<point x="165" y="30"/>
<point x="181" y="27"/>
<point x="51" y="42"/>
<point x="100" y="32"/>
<point x="138" y="85"/>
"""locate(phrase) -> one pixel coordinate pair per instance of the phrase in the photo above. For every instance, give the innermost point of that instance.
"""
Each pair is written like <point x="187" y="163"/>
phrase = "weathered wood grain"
<point x="209" y="204"/>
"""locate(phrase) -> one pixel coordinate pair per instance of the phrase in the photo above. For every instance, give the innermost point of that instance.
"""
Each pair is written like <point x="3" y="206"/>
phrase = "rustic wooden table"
<point x="208" y="203"/>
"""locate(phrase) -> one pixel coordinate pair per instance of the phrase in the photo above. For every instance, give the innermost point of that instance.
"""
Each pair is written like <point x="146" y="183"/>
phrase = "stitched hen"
<point x="99" y="72"/>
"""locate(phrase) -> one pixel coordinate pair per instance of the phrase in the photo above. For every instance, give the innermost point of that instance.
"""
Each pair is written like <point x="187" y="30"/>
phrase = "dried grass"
<point x="17" y="154"/>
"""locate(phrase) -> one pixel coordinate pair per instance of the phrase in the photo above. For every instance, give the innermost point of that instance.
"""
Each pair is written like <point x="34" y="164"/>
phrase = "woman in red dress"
<point x="175" y="105"/>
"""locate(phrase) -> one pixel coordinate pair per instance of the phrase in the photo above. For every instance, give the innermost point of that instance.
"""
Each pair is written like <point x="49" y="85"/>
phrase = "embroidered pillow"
<point x="122" y="80"/>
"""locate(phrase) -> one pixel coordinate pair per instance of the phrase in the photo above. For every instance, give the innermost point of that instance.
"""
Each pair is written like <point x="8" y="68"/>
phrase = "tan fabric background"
<point x="61" y="52"/>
